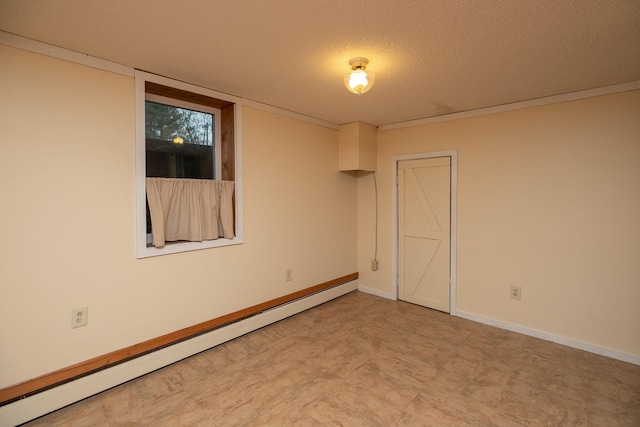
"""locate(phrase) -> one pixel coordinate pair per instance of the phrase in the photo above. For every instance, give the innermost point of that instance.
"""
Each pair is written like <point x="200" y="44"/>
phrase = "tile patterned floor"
<point x="362" y="360"/>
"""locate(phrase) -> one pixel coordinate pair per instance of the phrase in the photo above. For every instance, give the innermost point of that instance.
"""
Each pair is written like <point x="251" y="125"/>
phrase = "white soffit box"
<point x="357" y="149"/>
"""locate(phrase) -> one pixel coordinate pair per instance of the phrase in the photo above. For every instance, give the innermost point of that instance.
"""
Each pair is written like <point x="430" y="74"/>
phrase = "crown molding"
<point x="572" y="96"/>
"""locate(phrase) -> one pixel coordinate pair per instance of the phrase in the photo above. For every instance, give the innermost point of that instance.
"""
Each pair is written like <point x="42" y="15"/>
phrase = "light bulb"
<point x="359" y="81"/>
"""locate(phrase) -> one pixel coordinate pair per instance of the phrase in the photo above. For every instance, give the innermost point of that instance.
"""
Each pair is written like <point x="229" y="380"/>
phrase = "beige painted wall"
<point x="549" y="199"/>
<point x="68" y="220"/>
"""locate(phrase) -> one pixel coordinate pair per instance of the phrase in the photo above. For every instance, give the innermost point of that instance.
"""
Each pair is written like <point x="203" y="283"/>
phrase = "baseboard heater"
<point x="34" y="398"/>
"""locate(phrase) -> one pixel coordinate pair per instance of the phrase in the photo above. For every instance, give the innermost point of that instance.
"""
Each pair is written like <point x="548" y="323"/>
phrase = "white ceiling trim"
<point x="292" y="114"/>
<point x="34" y="46"/>
<point x="589" y="93"/>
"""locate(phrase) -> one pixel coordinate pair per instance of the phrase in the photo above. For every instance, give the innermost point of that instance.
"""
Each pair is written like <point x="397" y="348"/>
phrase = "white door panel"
<point x="424" y="201"/>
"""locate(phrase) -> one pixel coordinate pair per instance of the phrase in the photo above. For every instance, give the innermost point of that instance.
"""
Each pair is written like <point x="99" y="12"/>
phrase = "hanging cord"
<point x="375" y="244"/>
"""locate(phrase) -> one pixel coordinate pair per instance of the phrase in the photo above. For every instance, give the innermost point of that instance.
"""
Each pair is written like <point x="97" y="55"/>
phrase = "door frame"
<point x="453" y="154"/>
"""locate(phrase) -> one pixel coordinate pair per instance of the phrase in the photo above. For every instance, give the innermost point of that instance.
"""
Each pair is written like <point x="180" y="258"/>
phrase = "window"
<point x="182" y="140"/>
<point x="184" y="132"/>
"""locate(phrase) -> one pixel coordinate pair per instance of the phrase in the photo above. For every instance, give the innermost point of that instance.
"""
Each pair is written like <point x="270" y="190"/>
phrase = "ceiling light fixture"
<point x="359" y="81"/>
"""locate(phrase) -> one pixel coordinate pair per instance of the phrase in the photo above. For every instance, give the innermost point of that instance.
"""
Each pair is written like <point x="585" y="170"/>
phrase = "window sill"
<point x="177" y="247"/>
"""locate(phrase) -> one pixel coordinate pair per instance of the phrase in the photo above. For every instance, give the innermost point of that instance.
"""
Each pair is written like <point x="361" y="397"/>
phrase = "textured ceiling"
<point x="430" y="57"/>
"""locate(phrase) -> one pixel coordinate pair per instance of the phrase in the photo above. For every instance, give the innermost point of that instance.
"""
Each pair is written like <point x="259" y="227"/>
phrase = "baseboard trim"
<point x="44" y="402"/>
<point x="376" y="292"/>
<point x="625" y="357"/>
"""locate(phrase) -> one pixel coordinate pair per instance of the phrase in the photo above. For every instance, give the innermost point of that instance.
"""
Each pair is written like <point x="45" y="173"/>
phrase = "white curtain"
<point x="190" y="209"/>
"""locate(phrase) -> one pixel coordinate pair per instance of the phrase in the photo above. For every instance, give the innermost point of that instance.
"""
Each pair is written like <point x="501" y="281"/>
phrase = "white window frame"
<point x="142" y="250"/>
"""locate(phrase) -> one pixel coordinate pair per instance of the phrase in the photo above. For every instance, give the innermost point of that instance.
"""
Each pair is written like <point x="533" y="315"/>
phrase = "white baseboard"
<point x="58" y="397"/>
<point x="376" y="292"/>
<point x="625" y="357"/>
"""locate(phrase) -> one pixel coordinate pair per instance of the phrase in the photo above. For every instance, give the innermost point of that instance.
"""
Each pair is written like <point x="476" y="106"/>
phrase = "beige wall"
<point x="68" y="220"/>
<point x="548" y="199"/>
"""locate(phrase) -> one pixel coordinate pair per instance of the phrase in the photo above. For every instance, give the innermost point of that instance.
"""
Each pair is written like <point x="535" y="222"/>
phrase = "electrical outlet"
<point x="374" y="265"/>
<point x="289" y="275"/>
<point x="516" y="292"/>
<point x="79" y="317"/>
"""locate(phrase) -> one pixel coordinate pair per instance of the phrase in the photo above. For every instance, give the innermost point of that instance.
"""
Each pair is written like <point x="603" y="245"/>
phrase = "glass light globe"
<point x="359" y="81"/>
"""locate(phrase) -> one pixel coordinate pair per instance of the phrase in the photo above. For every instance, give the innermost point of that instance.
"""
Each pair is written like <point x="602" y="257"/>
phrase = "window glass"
<point x="179" y="142"/>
